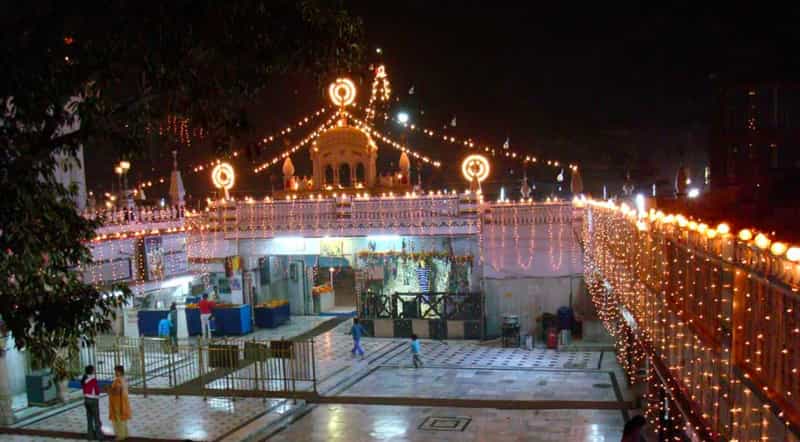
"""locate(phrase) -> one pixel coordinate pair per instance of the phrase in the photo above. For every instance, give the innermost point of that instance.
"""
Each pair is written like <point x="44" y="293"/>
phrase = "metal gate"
<point x="223" y="367"/>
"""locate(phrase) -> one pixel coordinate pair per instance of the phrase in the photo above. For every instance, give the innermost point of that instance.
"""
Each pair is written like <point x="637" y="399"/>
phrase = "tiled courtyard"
<point x="453" y="370"/>
<point x="453" y="353"/>
<point x="355" y="423"/>
<point x="464" y="383"/>
<point x="169" y="418"/>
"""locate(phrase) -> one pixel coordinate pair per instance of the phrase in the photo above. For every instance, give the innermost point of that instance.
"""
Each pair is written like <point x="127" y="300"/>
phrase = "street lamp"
<point x="402" y="117"/>
<point x="125" y="166"/>
<point x="118" y="170"/>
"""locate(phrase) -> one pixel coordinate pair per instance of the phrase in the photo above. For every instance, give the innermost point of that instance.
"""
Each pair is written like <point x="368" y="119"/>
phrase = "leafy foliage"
<point x="104" y="74"/>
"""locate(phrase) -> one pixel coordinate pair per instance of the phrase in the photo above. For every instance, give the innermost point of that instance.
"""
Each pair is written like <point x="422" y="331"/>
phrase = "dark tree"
<point x="100" y="74"/>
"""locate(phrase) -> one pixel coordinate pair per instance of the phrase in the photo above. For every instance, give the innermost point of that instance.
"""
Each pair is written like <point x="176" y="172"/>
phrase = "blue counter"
<point x="193" y="326"/>
<point x="228" y="321"/>
<point x="148" y="321"/>
<point x="233" y="320"/>
<point x="271" y="317"/>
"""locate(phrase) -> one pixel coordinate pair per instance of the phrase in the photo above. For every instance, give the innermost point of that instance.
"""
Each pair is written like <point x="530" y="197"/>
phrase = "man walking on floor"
<point x="357" y="330"/>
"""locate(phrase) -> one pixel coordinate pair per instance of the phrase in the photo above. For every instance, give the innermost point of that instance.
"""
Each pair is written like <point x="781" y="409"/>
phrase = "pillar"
<point x="183" y="328"/>
<point x="6" y="395"/>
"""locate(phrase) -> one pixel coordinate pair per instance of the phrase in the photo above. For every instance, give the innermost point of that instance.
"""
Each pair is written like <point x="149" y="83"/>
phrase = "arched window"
<point x="328" y="174"/>
<point x="344" y="175"/>
<point x="360" y="173"/>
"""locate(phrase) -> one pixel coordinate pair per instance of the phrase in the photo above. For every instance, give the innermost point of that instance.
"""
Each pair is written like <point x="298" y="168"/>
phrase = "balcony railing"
<point x="721" y="315"/>
<point x="137" y="219"/>
<point x="347" y="215"/>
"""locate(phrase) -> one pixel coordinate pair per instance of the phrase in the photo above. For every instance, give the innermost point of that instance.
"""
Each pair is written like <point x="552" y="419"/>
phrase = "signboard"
<point x="161" y="257"/>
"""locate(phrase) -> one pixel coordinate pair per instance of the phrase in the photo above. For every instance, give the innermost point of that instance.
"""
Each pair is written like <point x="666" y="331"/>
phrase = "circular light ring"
<point x="475" y="166"/>
<point x="222" y="176"/>
<point x="342" y="92"/>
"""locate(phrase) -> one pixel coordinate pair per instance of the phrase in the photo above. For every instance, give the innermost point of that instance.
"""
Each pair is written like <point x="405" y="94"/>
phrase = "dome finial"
<point x="288" y="167"/>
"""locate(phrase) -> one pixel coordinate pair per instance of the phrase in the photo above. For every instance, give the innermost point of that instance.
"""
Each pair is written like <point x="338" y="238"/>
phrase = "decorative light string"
<point x="381" y="91"/>
<point x="266" y="140"/>
<point x="399" y="146"/>
<point x="703" y="300"/>
<point x="469" y="143"/>
<point x="308" y="138"/>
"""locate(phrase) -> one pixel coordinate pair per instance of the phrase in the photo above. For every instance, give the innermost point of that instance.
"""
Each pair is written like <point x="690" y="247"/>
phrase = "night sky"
<point x="610" y="89"/>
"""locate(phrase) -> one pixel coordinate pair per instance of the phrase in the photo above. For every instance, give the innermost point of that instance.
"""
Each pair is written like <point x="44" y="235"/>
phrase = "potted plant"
<point x="65" y="364"/>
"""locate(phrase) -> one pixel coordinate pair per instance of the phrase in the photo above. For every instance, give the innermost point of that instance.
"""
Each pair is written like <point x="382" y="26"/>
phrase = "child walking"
<point x="357" y="330"/>
<point x="415" y="351"/>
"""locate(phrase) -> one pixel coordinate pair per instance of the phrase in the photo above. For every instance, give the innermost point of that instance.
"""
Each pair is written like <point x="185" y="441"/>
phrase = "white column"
<point x="183" y="329"/>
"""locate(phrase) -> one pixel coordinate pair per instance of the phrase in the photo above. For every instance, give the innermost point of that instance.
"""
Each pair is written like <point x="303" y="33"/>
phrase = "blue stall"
<point x="234" y="320"/>
<point x="148" y="321"/>
<point x="193" y="326"/>
<point x="267" y="317"/>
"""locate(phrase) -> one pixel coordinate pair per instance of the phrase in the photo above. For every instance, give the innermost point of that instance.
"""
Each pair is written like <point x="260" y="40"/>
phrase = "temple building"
<point x="344" y="160"/>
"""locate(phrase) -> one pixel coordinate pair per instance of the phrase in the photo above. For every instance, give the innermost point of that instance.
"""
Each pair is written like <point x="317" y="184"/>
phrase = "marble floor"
<point x="297" y="325"/>
<point x="355" y="423"/>
<point x="465" y="383"/>
<point x="459" y="354"/>
<point x="18" y="438"/>
<point x="166" y="417"/>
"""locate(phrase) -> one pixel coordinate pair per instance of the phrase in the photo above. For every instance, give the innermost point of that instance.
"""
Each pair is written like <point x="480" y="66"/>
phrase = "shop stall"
<point x="229" y="319"/>
<point x="324" y="298"/>
<point x="271" y="314"/>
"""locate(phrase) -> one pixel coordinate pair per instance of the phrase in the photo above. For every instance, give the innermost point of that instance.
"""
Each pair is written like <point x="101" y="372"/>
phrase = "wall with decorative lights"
<point x="718" y="311"/>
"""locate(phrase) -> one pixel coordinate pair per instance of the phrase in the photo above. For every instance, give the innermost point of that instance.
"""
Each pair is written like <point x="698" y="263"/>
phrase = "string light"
<point x="693" y="297"/>
<point x="401" y="147"/>
<point x="778" y="248"/>
<point x="471" y="144"/>
<point x="381" y="91"/>
<point x="266" y="140"/>
<point x="762" y="242"/>
<point x="793" y="254"/>
<point x="310" y="137"/>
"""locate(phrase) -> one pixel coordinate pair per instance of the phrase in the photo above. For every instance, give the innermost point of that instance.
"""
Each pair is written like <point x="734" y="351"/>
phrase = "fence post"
<point x="292" y="363"/>
<point x="313" y="366"/>
<point x="142" y="360"/>
<point x="172" y="376"/>
<point x="200" y="366"/>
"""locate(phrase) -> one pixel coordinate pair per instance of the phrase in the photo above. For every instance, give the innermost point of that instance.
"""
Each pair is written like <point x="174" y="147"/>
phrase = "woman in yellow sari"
<point x="119" y="409"/>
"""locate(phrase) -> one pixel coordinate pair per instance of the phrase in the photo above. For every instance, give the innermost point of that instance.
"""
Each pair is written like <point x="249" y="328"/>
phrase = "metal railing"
<point x="224" y="367"/>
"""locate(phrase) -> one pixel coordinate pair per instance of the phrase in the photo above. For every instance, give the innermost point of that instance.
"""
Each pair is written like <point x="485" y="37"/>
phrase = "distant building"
<point x="754" y="148"/>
